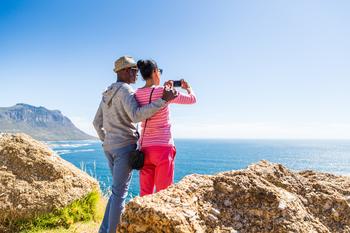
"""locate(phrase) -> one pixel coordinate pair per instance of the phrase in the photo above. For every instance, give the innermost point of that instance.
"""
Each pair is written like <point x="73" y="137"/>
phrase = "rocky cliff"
<point x="35" y="181"/>
<point x="40" y="123"/>
<point x="265" y="197"/>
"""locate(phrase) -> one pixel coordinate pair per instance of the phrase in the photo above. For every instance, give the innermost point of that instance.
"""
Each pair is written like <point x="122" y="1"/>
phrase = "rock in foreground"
<point x="35" y="181"/>
<point x="265" y="197"/>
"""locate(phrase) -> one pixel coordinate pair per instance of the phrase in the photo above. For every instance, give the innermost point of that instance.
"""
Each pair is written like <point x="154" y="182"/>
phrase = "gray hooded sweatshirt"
<point x="117" y="114"/>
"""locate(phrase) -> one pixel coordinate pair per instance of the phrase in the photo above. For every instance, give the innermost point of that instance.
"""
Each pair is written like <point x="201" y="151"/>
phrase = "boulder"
<point x="265" y="197"/>
<point x="34" y="180"/>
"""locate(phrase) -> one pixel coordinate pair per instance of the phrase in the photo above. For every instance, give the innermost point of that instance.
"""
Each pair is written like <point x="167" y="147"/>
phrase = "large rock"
<point x="265" y="197"/>
<point x="34" y="180"/>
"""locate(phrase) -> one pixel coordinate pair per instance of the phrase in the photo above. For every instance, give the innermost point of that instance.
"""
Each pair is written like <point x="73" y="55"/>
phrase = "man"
<point x="114" y="123"/>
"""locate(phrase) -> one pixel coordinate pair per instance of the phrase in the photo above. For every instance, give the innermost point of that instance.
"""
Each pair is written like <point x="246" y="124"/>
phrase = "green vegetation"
<point x="82" y="210"/>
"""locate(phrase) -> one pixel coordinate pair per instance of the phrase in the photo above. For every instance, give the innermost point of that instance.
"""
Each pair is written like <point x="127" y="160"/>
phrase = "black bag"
<point x="137" y="157"/>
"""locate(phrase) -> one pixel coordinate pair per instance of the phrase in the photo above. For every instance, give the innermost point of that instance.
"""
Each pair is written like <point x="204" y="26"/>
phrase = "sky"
<point x="260" y="69"/>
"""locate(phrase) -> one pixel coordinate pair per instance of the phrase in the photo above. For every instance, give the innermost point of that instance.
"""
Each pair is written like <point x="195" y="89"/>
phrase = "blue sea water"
<point x="212" y="156"/>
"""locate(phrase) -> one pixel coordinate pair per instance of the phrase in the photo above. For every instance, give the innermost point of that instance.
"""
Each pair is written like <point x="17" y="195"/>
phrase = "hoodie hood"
<point x="110" y="92"/>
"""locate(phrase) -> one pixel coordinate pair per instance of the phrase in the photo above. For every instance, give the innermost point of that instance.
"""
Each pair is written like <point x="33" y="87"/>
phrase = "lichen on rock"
<point x="265" y="197"/>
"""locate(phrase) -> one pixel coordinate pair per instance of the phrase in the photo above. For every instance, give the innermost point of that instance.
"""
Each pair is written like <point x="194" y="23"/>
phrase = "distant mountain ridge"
<point x="40" y="123"/>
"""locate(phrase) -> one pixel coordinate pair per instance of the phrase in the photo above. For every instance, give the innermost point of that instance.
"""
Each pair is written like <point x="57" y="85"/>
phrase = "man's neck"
<point x="122" y="80"/>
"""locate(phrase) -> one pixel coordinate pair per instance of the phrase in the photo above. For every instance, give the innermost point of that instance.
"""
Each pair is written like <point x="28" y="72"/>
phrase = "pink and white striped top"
<point x="158" y="128"/>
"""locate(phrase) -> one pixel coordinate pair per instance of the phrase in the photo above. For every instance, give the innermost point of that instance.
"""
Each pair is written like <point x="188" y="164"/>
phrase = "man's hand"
<point x="169" y="94"/>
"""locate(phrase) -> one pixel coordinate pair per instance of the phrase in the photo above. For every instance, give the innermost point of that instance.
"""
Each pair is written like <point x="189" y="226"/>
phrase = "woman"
<point x="156" y="140"/>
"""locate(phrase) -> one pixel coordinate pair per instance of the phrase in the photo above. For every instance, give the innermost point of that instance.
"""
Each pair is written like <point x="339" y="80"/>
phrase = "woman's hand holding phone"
<point x="185" y="85"/>
<point x="179" y="83"/>
<point x="169" y="84"/>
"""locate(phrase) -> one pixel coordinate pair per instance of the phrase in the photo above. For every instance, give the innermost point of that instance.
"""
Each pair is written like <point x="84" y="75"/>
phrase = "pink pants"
<point x="158" y="169"/>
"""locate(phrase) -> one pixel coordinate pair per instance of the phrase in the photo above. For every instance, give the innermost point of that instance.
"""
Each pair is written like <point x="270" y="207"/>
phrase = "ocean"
<point x="213" y="156"/>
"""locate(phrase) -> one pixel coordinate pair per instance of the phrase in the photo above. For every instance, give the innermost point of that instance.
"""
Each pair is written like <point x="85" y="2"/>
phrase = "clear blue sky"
<point x="260" y="69"/>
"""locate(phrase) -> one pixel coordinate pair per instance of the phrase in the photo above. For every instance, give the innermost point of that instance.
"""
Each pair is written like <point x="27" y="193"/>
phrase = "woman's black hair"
<point x="146" y="68"/>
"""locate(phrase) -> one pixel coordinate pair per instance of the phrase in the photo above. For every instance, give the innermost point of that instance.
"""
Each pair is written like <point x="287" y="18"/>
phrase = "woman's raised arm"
<point x="189" y="98"/>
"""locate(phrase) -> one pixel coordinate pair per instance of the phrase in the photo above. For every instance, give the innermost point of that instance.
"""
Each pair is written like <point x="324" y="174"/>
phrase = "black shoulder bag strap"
<point x="144" y="129"/>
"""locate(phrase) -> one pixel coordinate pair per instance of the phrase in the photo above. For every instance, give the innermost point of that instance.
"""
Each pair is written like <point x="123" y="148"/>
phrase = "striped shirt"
<point x="158" y="128"/>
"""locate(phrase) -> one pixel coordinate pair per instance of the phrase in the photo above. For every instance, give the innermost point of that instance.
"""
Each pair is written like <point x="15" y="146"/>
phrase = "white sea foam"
<point x="53" y="146"/>
<point x="63" y="152"/>
<point x="85" y="150"/>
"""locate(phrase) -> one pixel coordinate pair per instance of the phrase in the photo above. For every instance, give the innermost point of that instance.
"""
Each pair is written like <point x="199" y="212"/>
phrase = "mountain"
<point x="40" y="123"/>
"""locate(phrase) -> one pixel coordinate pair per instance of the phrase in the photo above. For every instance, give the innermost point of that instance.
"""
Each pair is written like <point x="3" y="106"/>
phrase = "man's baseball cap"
<point x="123" y="63"/>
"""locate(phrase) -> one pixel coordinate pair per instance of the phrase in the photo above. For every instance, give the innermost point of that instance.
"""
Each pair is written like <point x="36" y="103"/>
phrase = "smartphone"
<point x="177" y="83"/>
